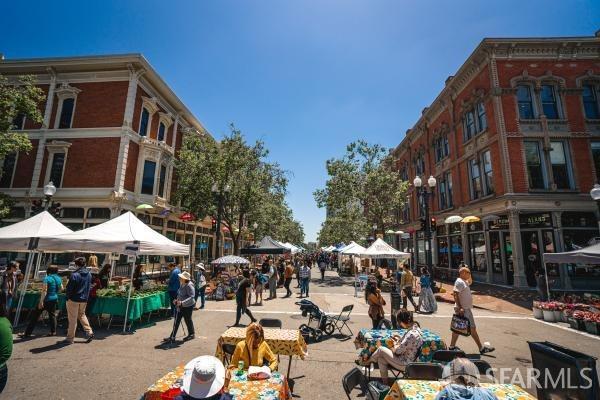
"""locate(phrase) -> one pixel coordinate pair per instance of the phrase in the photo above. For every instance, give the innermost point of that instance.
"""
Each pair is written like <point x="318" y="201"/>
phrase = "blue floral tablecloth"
<point x="368" y="340"/>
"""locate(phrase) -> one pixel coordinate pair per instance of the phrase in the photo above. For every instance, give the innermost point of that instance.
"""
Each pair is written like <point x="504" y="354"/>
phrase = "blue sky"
<point x="307" y="77"/>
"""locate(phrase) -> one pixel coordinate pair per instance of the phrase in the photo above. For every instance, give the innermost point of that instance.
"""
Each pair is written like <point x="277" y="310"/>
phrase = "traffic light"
<point x="433" y="224"/>
<point x="214" y="225"/>
<point x="423" y="223"/>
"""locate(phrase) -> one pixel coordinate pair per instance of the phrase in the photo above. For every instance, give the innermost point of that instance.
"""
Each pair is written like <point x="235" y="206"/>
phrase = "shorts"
<point x="468" y="314"/>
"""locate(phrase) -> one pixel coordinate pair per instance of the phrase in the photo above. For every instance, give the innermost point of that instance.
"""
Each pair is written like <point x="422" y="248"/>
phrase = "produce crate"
<point x="592" y="327"/>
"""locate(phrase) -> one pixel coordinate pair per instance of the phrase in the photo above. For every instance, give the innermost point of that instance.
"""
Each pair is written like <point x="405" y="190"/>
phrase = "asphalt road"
<point x="120" y="366"/>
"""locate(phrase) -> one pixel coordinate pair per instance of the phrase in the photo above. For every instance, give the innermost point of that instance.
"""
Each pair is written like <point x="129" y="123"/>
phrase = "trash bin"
<point x="396" y="304"/>
<point x="574" y="373"/>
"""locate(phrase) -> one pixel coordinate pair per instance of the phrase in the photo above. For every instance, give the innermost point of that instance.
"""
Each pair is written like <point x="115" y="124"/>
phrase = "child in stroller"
<point x="319" y="322"/>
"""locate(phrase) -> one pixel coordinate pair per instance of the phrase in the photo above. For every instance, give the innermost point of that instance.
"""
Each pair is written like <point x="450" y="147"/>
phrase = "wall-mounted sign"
<point x="539" y="220"/>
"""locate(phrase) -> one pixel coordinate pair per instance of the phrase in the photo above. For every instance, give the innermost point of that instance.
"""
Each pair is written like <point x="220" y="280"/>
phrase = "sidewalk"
<point x="494" y="298"/>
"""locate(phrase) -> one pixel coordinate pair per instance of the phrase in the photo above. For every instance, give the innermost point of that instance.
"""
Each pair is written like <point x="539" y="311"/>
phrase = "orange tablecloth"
<point x="286" y="342"/>
<point x="427" y="390"/>
<point x="240" y="388"/>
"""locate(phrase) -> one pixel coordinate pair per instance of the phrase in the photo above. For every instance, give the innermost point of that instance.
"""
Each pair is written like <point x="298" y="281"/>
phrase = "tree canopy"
<point x="363" y="190"/>
<point x="253" y="189"/>
<point x="17" y="101"/>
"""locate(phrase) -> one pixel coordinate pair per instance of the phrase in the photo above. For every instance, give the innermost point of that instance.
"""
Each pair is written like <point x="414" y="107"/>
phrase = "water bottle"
<point x="240" y="367"/>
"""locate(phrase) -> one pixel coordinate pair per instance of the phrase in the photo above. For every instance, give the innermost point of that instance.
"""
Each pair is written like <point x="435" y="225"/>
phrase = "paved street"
<point x="122" y="366"/>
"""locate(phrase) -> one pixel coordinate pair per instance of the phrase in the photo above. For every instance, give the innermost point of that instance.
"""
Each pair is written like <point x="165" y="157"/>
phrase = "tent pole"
<point x="37" y="265"/>
<point x="25" y="284"/>
<point x="128" y="299"/>
<point x="547" y="284"/>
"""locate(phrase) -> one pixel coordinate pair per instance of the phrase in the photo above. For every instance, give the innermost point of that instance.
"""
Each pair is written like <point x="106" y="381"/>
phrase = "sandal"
<point x="486" y="349"/>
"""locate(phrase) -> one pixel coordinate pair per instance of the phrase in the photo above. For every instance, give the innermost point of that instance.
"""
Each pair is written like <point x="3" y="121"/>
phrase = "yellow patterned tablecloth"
<point x="167" y="382"/>
<point x="427" y="390"/>
<point x="285" y="342"/>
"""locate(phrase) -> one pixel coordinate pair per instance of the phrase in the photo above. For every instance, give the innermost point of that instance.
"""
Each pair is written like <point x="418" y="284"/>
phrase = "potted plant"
<point x="591" y="321"/>
<point x="557" y="308"/>
<point x="577" y="320"/>
<point x="548" y="311"/>
<point x="537" y="311"/>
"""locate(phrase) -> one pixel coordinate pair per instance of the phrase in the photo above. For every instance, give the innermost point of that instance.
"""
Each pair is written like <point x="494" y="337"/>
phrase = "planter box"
<point x="591" y="327"/>
<point x="558" y="315"/>
<point x="577" y="324"/>
<point x="549" y="316"/>
<point x="537" y="313"/>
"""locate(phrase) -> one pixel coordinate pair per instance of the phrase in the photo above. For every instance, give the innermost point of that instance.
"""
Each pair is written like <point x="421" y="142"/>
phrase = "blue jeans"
<point x="3" y="377"/>
<point x="304" y="286"/>
<point x="200" y="292"/>
<point x="172" y="296"/>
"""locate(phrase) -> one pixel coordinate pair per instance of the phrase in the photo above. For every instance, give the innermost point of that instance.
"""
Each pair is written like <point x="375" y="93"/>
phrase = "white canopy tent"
<point x="116" y="236"/>
<point x="380" y="249"/>
<point x="23" y="236"/>
<point x="352" y="249"/>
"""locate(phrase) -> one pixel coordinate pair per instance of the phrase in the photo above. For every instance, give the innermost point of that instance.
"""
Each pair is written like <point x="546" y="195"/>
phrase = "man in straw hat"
<point x="200" y="286"/>
<point x="204" y="378"/>
<point x="184" y="304"/>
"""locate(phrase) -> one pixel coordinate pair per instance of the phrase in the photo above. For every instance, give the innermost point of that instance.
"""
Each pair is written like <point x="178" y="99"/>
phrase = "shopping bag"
<point x="460" y="325"/>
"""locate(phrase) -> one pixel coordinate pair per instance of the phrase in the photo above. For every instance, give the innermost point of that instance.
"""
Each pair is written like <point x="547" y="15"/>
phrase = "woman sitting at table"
<point x="254" y="351"/>
<point x="463" y="377"/>
<point x="404" y="350"/>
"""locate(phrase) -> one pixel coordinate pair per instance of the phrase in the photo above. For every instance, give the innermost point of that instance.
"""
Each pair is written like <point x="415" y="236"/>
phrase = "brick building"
<point x="513" y="139"/>
<point x="108" y="141"/>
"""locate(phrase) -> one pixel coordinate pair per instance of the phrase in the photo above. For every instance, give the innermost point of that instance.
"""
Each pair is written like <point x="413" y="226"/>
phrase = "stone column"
<point x="488" y="255"/>
<point x="49" y="99"/>
<point x="134" y="76"/>
<point x="517" y="250"/>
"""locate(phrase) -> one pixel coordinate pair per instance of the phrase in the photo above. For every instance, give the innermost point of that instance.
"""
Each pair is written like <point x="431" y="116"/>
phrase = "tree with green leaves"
<point x="363" y="190"/>
<point x="17" y="101"/>
<point x="251" y="187"/>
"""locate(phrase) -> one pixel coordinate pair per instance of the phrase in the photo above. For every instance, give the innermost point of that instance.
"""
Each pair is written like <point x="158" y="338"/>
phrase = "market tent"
<point x="329" y="249"/>
<point x="113" y="236"/>
<point x="380" y="249"/>
<point x="352" y="249"/>
<point x="16" y="237"/>
<point x="231" y="260"/>
<point x="266" y="246"/>
<point x="293" y="249"/>
<point x="585" y="255"/>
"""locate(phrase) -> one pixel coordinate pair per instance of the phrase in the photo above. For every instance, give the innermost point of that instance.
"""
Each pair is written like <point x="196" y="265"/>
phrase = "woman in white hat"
<point x="184" y="304"/>
<point x="200" y="281"/>
<point x="203" y="378"/>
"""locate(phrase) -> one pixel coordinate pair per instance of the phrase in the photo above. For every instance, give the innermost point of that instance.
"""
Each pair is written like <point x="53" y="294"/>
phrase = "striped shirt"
<point x="305" y="271"/>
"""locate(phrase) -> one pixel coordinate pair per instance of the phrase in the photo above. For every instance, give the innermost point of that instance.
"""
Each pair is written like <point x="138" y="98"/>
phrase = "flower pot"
<point x="564" y="317"/>
<point x="591" y="327"/>
<point x="549" y="316"/>
<point x="557" y="315"/>
<point x="537" y="313"/>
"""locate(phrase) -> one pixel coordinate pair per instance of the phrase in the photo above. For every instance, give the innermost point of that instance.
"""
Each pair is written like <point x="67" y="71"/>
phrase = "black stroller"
<point x="319" y="322"/>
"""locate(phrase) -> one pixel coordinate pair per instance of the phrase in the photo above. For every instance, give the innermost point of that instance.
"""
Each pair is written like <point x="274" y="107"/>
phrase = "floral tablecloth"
<point x="285" y="342"/>
<point x="368" y="340"/>
<point x="427" y="390"/>
<point x="240" y="387"/>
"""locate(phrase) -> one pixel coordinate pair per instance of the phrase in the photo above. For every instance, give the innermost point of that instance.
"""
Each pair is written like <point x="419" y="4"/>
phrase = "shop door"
<point x="508" y="258"/>
<point x="532" y="254"/>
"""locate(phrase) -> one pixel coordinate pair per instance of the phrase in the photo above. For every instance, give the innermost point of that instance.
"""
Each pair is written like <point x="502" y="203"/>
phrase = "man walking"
<point x="463" y="306"/>
<point x="9" y="284"/>
<point x="77" y="292"/>
<point x="241" y="298"/>
<point x="287" y="278"/>
<point x="200" y="281"/>
<point x="173" y="285"/>
<point x="406" y="285"/>
<point x="273" y="278"/>
<point x="304" y="279"/>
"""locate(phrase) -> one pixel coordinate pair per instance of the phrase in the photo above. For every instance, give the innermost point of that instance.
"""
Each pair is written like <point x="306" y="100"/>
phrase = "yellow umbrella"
<point x="471" y="218"/>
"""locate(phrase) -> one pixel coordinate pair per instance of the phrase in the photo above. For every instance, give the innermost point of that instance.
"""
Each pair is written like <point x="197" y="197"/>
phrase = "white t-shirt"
<point x="464" y="293"/>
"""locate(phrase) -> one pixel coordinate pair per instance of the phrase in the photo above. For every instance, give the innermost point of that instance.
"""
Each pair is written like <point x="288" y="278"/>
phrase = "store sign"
<point x="541" y="220"/>
<point x="500" y="223"/>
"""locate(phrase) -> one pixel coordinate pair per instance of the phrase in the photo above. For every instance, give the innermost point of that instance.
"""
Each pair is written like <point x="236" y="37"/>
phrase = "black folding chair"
<point x="378" y="389"/>
<point x="485" y="369"/>
<point x="353" y="379"/>
<point x="340" y="321"/>
<point x="228" y="350"/>
<point x="271" y="323"/>
<point x="445" y="356"/>
<point x="398" y="373"/>
<point x="424" y="371"/>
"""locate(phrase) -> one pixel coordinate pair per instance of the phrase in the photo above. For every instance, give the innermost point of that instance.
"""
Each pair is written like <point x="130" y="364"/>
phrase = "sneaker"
<point x="454" y="348"/>
<point x="66" y="342"/>
<point x="189" y="337"/>
<point x="169" y="339"/>
<point x="89" y="338"/>
<point x="486" y="349"/>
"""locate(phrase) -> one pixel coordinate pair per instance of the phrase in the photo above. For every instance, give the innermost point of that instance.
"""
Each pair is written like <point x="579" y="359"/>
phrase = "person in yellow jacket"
<point x="406" y="285"/>
<point x="254" y="351"/>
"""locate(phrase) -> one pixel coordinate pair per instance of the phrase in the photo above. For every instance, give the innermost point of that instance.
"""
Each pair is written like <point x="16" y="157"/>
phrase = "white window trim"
<point x="12" y="175"/>
<point x="166" y="119"/>
<point x="557" y="98"/>
<point x="148" y="125"/>
<point x="65" y="92"/>
<point x="150" y="104"/>
<point x="569" y="164"/>
<point x="53" y="148"/>
<point x="543" y="164"/>
<point x="484" y="185"/>
<point x="535" y="107"/>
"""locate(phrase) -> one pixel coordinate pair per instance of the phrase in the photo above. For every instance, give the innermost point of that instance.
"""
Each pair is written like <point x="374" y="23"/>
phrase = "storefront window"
<point x="442" y="244"/>
<point x="477" y="251"/>
<point x="456" y="251"/>
<point x="421" y="251"/>
<point x="579" y="230"/>
<point x="495" y="249"/>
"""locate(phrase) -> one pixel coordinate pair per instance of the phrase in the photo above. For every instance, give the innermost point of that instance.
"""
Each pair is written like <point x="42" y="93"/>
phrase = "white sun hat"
<point x="203" y="377"/>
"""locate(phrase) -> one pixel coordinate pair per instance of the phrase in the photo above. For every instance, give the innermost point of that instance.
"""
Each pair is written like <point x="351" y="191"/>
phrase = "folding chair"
<point x="270" y="323"/>
<point x="228" y="350"/>
<point x="485" y="369"/>
<point x="400" y="373"/>
<point x="424" y="371"/>
<point x="445" y="356"/>
<point x="340" y="321"/>
<point x="353" y="379"/>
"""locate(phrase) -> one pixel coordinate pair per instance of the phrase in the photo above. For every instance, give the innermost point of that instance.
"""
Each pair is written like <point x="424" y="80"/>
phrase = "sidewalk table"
<point x="368" y="340"/>
<point x="240" y="387"/>
<point x="427" y="390"/>
<point x="286" y="342"/>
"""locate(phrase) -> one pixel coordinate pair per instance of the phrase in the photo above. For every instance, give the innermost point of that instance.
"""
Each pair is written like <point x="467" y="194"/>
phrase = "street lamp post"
<point x="220" y="196"/>
<point x="49" y="191"/>
<point x="255" y="226"/>
<point x="595" y="193"/>
<point x="425" y="194"/>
